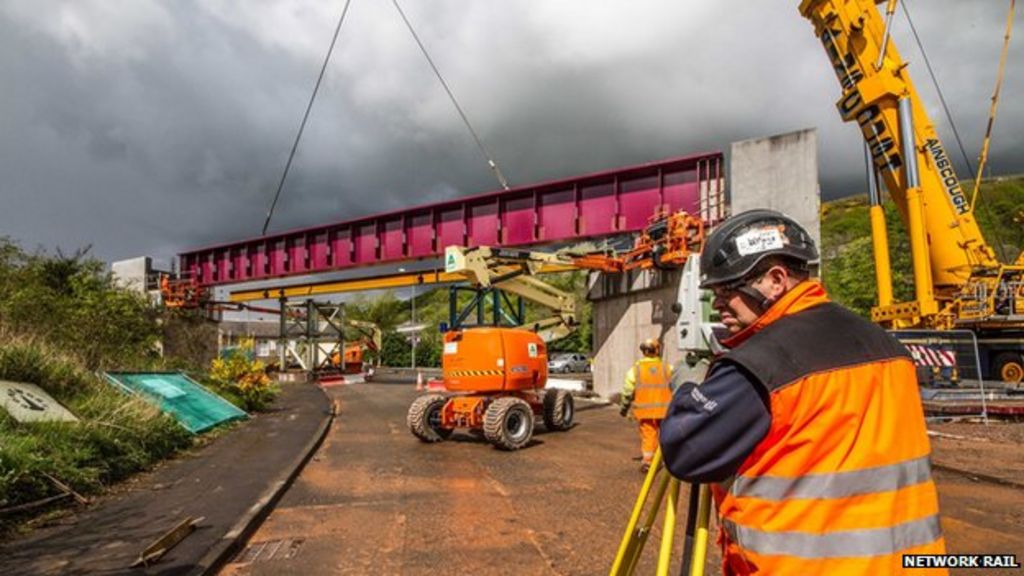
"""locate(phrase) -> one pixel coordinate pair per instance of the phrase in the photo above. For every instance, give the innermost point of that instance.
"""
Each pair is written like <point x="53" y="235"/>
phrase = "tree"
<point x="71" y="302"/>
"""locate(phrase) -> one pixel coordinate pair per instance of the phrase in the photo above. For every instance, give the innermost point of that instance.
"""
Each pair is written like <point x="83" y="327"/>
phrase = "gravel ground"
<point x="995" y="450"/>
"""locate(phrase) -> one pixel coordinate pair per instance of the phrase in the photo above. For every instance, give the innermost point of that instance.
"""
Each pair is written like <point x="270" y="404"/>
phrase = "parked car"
<point x="566" y="362"/>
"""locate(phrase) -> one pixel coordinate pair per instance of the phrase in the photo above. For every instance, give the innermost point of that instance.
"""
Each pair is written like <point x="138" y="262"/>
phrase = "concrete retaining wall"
<point x="629" y="308"/>
<point x="780" y="173"/>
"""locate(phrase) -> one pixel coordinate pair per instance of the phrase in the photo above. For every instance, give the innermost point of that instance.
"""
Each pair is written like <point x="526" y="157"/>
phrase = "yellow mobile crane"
<point x="958" y="281"/>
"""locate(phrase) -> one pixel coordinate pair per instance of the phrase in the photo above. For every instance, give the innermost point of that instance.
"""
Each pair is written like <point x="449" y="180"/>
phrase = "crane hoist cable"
<point x="938" y="89"/>
<point x="305" y="117"/>
<point x="983" y="157"/>
<point x="487" y="156"/>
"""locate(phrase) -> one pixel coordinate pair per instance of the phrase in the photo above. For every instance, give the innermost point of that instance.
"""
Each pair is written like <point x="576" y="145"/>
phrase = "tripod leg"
<point x="700" y="540"/>
<point x="669" y="528"/>
<point x="635" y="537"/>
<point x="691" y="527"/>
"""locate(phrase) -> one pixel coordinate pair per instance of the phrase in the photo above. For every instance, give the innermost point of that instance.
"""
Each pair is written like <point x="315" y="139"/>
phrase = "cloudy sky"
<point x="146" y="127"/>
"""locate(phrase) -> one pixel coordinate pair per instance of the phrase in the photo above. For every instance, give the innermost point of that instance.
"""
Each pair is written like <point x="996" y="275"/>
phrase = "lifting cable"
<point x="479" y="143"/>
<point x="983" y="157"/>
<point x="305" y="117"/>
<point x="938" y="89"/>
<point x="949" y="117"/>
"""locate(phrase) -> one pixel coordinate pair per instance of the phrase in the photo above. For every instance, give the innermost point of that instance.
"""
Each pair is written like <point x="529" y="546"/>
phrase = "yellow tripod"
<point x="635" y="538"/>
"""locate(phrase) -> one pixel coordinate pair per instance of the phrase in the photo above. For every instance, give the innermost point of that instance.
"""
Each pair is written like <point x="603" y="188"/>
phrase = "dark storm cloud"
<point x="147" y="127"/>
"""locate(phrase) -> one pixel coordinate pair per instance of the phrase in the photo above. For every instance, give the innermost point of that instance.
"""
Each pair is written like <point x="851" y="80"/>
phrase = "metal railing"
<point x="948" y="369"/>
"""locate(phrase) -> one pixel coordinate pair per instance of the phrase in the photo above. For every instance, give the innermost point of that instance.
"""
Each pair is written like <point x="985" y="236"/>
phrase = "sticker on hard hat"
<point x="531" y="350"/>
<point x="757" y="241"/>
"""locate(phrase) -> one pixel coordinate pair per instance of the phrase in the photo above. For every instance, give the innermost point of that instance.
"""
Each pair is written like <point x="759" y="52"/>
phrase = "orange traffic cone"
<point x="419" y="380"/>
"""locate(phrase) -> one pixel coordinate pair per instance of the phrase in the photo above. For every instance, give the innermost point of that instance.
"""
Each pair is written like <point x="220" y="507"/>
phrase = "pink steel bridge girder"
<point x="594" y="205"/>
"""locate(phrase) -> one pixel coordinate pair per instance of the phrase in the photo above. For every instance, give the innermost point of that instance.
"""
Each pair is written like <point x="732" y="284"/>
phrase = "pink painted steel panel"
<point x="239" y="264"/>
<point x="255" y="261"/>
<point x="597" y="209"/>
<point x="341" y="247"/>
<point x="365" y="243"/>
<point x="297" y="255"/>
<point x="682" y="191"/>
<point x="318" y="250"/>
<point x="482" y="224"/>
<point x="392" y="240"/>
<point x="451" y="229"/>
<point x="620" y="200"/>
<point x="421" y="235"/>
<point x="277" y="258"/>
<point x="222" y="271"/>
<point x="556" y="215"/>
<point x="640" y="198"/>
<point x="206" y="270"/>
<point x="517" y="220"/>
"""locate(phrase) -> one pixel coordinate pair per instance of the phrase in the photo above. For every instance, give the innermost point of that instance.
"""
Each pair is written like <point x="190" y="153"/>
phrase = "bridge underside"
<point x="611" y="202"/>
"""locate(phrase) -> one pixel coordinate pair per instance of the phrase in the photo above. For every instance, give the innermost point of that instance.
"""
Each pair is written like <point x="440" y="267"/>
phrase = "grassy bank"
<point x="116" y="436"/>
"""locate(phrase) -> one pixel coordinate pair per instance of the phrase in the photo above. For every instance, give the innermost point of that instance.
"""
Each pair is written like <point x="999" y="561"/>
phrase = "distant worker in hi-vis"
<point x="809" y="429"/>
<point x="647" y="391"/>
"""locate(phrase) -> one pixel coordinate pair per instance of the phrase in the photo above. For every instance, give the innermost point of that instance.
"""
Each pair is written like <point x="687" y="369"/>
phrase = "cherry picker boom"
<point x="495" y="375"/>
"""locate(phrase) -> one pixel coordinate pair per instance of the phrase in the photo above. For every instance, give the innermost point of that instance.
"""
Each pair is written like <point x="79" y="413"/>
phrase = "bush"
<point x="243" y="381"/>
<point x="70" y="302"/>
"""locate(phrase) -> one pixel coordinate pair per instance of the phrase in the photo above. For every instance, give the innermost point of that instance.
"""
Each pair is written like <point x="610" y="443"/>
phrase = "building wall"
<point x="132" y="274"/>
<point x="780" y="173"/>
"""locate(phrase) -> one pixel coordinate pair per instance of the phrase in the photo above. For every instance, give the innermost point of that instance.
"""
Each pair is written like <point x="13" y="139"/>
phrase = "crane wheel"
<point x="558" y="410"/>
<point x="1009" y="367"/>
<point x="508" y="423"/>
<point x="424" y="418"/>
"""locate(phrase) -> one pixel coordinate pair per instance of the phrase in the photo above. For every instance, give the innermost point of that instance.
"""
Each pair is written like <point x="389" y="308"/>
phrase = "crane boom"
<point x="950" y="255"/>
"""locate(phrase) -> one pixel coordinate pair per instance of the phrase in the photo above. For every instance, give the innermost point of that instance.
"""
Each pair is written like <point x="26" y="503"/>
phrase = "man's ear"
<point x="778" y="281"/>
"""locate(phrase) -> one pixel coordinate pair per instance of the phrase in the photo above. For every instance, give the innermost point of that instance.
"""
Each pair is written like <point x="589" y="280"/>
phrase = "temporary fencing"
<point x="948" y="371"/>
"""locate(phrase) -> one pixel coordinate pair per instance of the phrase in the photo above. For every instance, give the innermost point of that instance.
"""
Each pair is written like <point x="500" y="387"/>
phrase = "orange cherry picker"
<point x="495" y="375"/>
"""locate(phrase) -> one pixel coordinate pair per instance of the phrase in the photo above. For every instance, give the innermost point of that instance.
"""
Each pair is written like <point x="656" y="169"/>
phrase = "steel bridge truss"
<point x="601" y="204"/>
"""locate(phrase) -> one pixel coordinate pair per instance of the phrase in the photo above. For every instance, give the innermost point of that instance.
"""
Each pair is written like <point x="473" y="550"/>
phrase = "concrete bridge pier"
<point x="628" y="308"/>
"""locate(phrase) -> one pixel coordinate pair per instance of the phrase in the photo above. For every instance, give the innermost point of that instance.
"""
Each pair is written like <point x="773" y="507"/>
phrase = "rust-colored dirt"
<point x="374" y="500"/>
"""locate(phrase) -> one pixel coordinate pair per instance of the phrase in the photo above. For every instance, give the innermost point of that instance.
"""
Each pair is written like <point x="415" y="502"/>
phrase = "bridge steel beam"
<point x="600" y="204"/>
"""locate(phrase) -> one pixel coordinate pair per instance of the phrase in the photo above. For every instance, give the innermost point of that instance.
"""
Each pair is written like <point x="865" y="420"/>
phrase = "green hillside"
<point x="847" y="260"/>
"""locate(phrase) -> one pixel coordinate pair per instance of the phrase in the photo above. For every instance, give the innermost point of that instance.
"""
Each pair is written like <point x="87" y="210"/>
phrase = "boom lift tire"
<point x="1009" y="367"/>
<point x="558" y="410"/>
<point x="424" y="418"/>
<point x="508" y="423"/>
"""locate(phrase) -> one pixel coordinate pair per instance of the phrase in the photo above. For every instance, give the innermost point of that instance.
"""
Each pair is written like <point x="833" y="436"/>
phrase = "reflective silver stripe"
<point x="835" y="485"/>
<point x="650" y="405"/>
<point x="839" y="544"/>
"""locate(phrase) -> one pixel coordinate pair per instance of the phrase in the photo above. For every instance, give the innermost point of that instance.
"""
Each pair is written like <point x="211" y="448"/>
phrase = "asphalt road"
<point x="375" y="500"/>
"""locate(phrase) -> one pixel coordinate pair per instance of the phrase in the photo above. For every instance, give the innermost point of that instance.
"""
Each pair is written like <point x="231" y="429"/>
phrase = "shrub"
<point x="243" y="381"/>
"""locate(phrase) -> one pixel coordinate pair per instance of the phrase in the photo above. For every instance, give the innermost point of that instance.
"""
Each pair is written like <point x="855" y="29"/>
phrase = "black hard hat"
<point x="736" y="247"/>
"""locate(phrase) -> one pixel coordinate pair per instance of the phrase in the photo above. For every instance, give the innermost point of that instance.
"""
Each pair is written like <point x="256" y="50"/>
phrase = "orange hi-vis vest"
<point x="841" y="483"/>
<point x="653" y="394"/>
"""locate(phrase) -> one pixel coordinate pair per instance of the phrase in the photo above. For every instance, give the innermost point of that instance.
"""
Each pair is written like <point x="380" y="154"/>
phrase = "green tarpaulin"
<point x="195" y="407"/>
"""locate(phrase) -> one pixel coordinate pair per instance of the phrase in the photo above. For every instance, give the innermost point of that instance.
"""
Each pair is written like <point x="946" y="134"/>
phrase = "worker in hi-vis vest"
<point x="647" y="391"/>
<point x="810" y="428"/>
